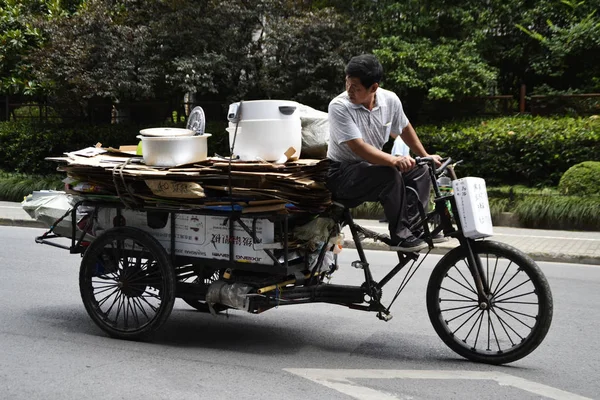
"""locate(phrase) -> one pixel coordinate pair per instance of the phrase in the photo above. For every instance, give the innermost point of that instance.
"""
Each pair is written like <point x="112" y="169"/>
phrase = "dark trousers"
<point x="354" y="183"/>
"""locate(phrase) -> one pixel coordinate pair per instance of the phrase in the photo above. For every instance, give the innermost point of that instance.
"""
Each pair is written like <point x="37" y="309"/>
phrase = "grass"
<point x="559" y="212"/>
<point x="15" y="186"/>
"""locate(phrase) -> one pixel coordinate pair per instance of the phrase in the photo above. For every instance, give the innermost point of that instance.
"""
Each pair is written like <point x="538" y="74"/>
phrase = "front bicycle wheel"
<point x="516" y="316"/>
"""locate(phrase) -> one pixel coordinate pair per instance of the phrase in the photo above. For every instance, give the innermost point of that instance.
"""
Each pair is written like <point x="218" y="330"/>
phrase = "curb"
<point x="25" y="223"/>
<point x="370" y="244"/>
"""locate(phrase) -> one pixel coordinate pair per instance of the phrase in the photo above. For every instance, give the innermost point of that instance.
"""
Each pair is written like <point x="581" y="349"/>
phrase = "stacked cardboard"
<point x="217" y="182"/>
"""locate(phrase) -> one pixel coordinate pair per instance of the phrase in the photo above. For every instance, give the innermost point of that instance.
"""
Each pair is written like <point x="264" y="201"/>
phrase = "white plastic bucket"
<point x="265" y="109"/>
<point x="266" y="139"/>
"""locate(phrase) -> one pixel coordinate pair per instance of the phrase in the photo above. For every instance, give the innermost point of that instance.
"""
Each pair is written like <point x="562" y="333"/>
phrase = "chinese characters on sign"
<point x="237" y="240"/>
<point x="471" y="199"/>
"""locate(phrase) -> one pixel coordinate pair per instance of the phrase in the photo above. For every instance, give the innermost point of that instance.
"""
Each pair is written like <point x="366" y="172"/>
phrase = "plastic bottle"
<point x="445" y="185"/>
<point x="337" y="243"/>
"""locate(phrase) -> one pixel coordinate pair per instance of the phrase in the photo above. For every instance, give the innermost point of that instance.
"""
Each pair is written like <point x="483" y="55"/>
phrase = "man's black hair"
<point x="366" y="68"/>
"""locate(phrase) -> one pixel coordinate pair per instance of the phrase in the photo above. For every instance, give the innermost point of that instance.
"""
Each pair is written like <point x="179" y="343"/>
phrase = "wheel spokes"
<point x="501" y="323"/>
<point x="127" y="292"/>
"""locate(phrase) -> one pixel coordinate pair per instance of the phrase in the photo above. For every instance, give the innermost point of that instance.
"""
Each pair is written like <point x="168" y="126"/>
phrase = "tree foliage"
<point x="447" y="70"/>
<point x="569" y="49"/>
<point x="18" y="38"/>
<point x="303" y="56"/>
<point x="124" y="51"/>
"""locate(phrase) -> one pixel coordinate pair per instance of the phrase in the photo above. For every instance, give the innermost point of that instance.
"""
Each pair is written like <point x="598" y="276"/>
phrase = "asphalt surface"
<point x="541" y="245"/>
<point x="50" y="348"/>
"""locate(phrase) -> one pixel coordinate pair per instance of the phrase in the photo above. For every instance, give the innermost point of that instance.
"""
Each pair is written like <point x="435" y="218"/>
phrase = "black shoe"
<point x="410" y="245"/>
<point x="438" y="238"/>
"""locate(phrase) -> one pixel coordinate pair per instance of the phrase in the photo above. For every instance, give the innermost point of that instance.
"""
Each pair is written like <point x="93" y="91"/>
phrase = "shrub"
<point x="581" y="180"/>
<point x="533" y="151"/>
<point x="545" y="208"/>
<point x="24" y="144"/>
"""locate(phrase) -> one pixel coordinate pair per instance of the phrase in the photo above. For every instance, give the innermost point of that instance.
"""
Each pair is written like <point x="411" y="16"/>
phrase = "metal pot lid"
<point x="197" y="121"/>
<point x="166" y="132"/>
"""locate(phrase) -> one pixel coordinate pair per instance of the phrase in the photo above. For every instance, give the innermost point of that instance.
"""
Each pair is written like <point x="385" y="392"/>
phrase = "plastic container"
<point x="264" y="109"/>
<point x="174" y="150"/>
<point x="266" y="139"/>
<point x="473" y="207"/>
<point x="445" y="185"/>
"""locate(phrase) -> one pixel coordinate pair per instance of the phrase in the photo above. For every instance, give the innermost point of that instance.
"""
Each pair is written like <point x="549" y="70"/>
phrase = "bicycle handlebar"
<point x="430" y="161"/>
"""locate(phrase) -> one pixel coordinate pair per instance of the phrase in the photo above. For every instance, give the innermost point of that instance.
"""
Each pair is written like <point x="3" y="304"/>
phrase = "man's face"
<point x="357" y="92"/>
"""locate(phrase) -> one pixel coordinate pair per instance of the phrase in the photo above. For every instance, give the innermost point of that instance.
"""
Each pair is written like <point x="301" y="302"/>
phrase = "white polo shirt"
<point x="349" y="121"/>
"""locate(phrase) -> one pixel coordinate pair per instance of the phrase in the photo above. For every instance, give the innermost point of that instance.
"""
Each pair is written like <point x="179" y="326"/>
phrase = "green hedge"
<point x="533" y="151"/>
<point x="24" y="144"/>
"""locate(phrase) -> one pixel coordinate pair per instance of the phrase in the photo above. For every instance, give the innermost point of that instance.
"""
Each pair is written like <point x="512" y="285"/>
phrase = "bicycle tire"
<point x="126" y="283"/>
<point x="452" y="275"/>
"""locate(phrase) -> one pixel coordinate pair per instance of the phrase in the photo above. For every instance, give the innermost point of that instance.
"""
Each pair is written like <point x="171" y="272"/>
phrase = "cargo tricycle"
<point x="487" y="301"/>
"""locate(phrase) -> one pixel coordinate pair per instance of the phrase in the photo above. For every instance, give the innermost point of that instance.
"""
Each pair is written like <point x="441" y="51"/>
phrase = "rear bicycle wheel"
<point x="518" y="312"/>
<point x="127" y="283"/>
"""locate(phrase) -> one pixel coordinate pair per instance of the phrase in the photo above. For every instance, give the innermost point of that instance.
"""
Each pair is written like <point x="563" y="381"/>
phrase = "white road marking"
<point x="11" y="207"/>
<point x="341" y="381"/>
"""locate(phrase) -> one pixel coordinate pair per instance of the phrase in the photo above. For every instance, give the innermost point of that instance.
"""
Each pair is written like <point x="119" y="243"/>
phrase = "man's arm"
<point x="370" y="153"/>
<point x="409" y="136"/>
<point x="376" y="156"/>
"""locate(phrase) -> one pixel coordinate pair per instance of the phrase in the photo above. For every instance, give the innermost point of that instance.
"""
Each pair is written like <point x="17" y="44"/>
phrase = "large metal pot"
<point x="166" y="132"/>
<point x="174" y="150"/>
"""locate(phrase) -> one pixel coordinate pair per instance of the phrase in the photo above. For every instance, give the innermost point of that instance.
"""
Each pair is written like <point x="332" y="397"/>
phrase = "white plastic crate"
<point x="201" y="236"/>
<point x="473" y="207"/>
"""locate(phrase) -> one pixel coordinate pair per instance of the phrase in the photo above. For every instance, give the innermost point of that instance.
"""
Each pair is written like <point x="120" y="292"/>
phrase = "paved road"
<point x="50" y="349"/>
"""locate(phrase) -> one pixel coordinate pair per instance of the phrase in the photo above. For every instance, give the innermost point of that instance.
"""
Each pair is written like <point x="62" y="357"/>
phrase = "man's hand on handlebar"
<point x="445" y="165"/>
<point x="428" y="159"/>
<point x="404" y="163"/>
<point x="437" y="159"/>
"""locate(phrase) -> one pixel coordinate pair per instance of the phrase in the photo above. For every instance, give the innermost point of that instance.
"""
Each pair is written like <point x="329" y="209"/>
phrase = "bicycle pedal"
<point x="359" y="264"/>
<point x="384" y="316"/>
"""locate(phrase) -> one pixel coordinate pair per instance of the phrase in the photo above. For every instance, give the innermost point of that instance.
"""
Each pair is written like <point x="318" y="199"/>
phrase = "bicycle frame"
<point x="446" y="225"/>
